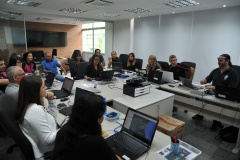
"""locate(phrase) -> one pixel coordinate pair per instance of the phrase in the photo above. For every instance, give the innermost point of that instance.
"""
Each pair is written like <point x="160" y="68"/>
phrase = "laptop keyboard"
<point x="60" y="93"/>
<point x="129" y="143"/>
<point x="66" y="111"/>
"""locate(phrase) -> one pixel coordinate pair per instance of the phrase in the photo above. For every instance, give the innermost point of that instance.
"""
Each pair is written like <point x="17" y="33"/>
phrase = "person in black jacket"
<point x="132" y="64"/>
<point x="28" y="64"/>
<point x="81" y="137"/>
<point x="94" y="69"/>
<point x="77" y="58"/>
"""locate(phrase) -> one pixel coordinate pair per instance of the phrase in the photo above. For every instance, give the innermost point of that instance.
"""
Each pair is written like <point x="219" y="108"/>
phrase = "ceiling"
<point x="48" y="10"/>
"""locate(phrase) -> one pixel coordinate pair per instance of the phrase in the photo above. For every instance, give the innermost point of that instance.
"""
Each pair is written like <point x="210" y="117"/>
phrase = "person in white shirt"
<point x="37" y="124"/>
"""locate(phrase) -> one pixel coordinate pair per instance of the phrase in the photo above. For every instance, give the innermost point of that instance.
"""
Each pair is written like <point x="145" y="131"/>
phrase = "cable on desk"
<point x="147" y="155"/>
<point x="117" y="128"/>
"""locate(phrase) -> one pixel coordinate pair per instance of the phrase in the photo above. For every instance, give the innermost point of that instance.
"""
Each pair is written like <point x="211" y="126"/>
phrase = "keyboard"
<point x="128" y="143"/>
<point x="66" y="111"/>
<point x="60" y="93"/>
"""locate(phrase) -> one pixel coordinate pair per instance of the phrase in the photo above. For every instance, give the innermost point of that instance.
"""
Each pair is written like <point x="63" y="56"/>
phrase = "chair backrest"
<point x="54" y="52"/>
<point x="237" y="68"/>
<point x="7" y="119"/>
<point x="164" y="65"/>
<point x="124" y="59"/>
<point x="140" y="62"/>
<point x="70" y="63"/>
<point x="81" y="67"/>
<point x="189" y="64"/>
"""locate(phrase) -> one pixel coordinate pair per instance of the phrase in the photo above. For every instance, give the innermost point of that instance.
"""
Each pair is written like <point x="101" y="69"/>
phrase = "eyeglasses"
<point x="18" y="62"/>
<point x="220" y="59"/>
<point x="96" y="59"/>
<point x="97" y="52"/>
<point x="22" y="74"/>
<point x="2" y="64"/>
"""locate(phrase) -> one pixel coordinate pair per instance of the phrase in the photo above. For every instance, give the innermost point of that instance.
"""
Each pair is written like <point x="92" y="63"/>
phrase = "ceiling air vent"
<point x="98" y="2"/>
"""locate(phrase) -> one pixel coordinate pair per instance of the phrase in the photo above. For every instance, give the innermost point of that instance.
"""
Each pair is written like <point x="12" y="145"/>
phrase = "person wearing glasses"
<point x="101" y="59"/>
<point x="37" y="122"/>
<point x="3" y="76"/>
<point x="94" y="69"/>
<point x="224" y="75"/>
<point x="15" y="75"/>
<point x="15" y="60"/>
<point x="82" y="134"/>
<point x="28" y="64"/>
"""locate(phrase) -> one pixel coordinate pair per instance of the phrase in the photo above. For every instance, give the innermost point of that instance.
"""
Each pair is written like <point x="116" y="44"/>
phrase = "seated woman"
<point x="94" y="69"/>
<point x="77" y="58"/>
<point x="28" y="64"/>
<point x="132" y="64"/>
<point x="80" y="137"/>
<point x="15" y="60"/>
<point x="153" y="64"/>
<point x="37" y="124"/>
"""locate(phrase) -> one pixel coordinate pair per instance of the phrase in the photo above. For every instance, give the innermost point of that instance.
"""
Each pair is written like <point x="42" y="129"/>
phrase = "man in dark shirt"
<point x="113" y="58"/>
<point x="101" y="59"/>
<point x="223" y="75"/>
<point x="3" y="76"/>
<point x="179" y="69"/>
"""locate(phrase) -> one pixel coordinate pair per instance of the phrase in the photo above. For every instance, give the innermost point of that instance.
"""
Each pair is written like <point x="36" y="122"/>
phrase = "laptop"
<point x="186" y="82"/>
<point x="229" y="93"/>
<point x="117" y="66"/>
<point x="106" y="76"/>
<point x="79" y="92"/>
<point x="49" y="80"/>
<point x="65" y="90"/>
<point x="167" y="77"/>
<point x="136" y="135"/>
<point x="155" y="76"/>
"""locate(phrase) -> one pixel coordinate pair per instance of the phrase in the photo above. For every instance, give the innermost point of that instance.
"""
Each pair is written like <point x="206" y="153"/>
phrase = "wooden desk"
<point x="212" y="107"/>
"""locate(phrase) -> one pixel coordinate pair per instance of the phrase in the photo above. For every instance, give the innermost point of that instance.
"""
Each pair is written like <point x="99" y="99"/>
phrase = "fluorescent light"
<point x="173" y="12"/>
<point x="23" y="3"/>
<point x="108" y="15"/>
<point x="224" y="5"/>
<point x="137" y="10"/>
<point x="72" y="10"/>
<point x="182" y="3"/>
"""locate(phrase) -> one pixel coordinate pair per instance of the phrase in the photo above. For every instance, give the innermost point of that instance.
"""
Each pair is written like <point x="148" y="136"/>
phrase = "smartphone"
<point x="110" y="115"/>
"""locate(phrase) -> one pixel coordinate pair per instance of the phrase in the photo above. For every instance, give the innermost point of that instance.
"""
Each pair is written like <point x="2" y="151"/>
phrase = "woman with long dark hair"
<point x="15" y="60"/>
<point x="77" y="58"/>
<point x="81" y="138"/>
<point x="35" y="121"/>
<point x="132" y="64"/>
<point x="28" y="64"/>
<point x="94" y="69"/>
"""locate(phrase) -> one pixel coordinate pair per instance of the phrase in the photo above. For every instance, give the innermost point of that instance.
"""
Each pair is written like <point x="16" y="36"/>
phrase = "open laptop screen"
<point x="140" y="125"/>
<point x="80" y="92"/>
<point x="67" y="85"/>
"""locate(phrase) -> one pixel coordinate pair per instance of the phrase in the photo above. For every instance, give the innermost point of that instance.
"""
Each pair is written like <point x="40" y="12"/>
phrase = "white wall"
<point x="199" y="37"/>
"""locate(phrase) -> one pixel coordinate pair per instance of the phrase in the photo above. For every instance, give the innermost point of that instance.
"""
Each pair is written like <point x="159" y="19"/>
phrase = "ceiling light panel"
<point x="10" y="13"/>
<point x="137" y="10"/>
<point x="182" y="3"/>
<point x="72" y="10"/>
<point x="23" y="3"/>
<point x="108" y="15"/>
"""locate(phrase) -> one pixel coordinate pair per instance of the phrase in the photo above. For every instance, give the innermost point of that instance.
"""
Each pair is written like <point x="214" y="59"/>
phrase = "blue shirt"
<point x="51" y="66"/>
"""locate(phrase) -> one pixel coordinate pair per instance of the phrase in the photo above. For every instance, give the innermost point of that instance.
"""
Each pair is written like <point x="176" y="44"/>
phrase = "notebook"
<point x="117" y="66"/>
<point x="106" y="76"/>
<point x="187" y="83"/>
<point x="65" y="90"/>
<point x="229" y="93"/>
<point x="136" y="135"/>
<point x="49" y="79"/>
<point x="155" y="76"/>
<point x="167" y="77"/>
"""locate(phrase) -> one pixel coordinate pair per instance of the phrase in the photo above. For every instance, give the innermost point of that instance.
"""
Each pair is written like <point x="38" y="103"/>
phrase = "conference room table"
<point x="225" y="111"/>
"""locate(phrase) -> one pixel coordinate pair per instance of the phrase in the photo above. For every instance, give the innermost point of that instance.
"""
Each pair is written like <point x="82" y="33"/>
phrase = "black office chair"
<point x="140" y="62"/>
<point x="237" y="68"/>
<point x="124" y="59"/>
<point x="70" y="63"/>
<point x="81" y="67"/>
<point x="8" y="124"/>
<point x="54" y="52"/>
<point x="164" y="65"/>
<point x="76" y="52"/>
<point x="190" y="64"/>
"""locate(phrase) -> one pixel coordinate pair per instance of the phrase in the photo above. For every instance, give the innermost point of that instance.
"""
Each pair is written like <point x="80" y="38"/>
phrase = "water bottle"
<point x="105" y="106"/>
<point x="37" y="72"/>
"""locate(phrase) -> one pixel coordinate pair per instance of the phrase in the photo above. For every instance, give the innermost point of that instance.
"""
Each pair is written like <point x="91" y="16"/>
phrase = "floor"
<point x="197" y="133"/>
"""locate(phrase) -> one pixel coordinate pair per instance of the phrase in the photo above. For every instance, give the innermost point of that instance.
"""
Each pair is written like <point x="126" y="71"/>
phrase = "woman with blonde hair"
<point x="153" y="64"/>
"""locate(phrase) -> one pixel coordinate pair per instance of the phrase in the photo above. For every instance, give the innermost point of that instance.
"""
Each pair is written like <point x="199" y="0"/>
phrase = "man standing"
<point x="101" y="59"/>
<point x="3" y="76"/>
<point x="15" y="75"/>
<point x="49" y="65"/>
<point x="113" y="58"/>
<point x="223" y="75"/>
<point x="179" y="69"/>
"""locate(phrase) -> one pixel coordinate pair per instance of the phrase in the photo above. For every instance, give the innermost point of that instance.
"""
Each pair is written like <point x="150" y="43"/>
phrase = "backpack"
<point x="229" y="134"/>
